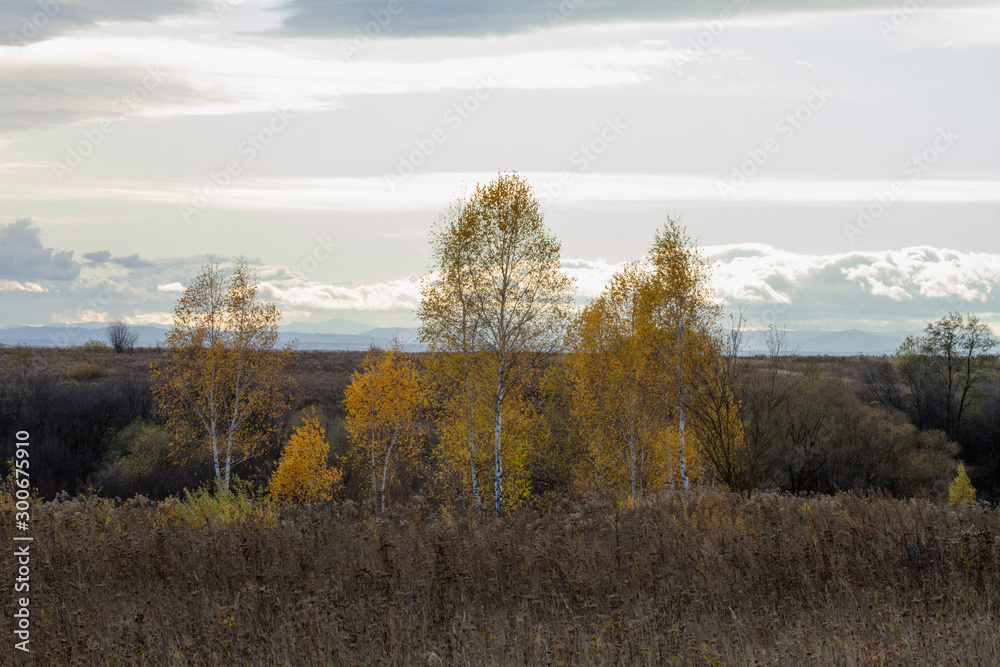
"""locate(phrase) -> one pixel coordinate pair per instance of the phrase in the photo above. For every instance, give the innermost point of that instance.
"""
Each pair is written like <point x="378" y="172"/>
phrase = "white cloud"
<point x="15" y="286"/>
<point x="150" y="318"/>
<point x="432" y="191"/>
<point x="170" y="287"/>
<point x="303" y="293"/>
<point x="234" y="76"/>
<point x="591" y="275"/>
<point x="971" y="27"/>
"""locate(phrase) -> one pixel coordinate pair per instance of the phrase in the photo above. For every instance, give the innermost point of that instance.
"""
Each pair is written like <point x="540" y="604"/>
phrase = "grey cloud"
<point x="99" y="257"/>
<point x="124" y="293"/>
<point x="132" y="262"/>
<point x="418" y="18"/>
<point x="22" y="256"/>
<point x="26" y="21"/>
<point x="43" y="96"/>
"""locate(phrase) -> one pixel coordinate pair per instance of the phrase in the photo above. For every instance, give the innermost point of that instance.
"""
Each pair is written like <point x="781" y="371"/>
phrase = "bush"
<point x="121" y="336"/>
<point x="224" y="508"/>
<point x="303" y="474"/>
<point x="83" y="371"/>
<point x="829" y="441"/>
<point x="961" y="491"/>
<point x="138" y="449"/>
<point x="20" y="357"/>
<point x="71" y="423"/>
<point x="96" y="346"/>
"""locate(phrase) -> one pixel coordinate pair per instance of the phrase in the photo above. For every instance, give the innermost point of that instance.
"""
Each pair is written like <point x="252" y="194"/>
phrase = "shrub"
<point x="83" y="371"/>
<point x="303" y="474"/>
<point x="96" y="346"/>
<point x="961" y="491"/>
<point x="223" y="508"/>
<point x="121" y="336"/>
<point x="138" y="449"/>
<point x="20" y="357"/>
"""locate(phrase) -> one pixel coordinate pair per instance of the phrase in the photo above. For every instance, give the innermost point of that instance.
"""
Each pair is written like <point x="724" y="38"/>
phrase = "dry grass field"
<point x="705" y="578"/>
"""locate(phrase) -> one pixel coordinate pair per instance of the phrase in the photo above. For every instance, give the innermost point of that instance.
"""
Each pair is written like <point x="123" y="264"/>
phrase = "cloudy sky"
<point x="837" y="160"/>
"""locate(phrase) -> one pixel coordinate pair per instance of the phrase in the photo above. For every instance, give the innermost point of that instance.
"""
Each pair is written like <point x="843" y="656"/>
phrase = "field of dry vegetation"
<point x="704" y="578"/>
<point x="575" y="574"/>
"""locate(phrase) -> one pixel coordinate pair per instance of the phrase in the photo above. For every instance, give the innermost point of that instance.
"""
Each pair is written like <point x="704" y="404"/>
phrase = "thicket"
<point x="833" y="432"/>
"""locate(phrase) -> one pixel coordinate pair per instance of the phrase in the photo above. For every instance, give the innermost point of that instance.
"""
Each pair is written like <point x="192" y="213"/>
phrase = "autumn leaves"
<point x="493" y="312"/>
<point x="496" y="312"/>
<point x="634" y="354"/>
<point x="225" y="380"/>
<point x="519" y="389"/>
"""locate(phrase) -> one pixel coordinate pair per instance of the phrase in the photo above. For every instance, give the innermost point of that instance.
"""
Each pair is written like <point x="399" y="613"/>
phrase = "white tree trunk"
<point x="470" y="432"/>
<point x="385" y="465"/>
<point x="681" y="457"/>
<point x="497" y="458"/>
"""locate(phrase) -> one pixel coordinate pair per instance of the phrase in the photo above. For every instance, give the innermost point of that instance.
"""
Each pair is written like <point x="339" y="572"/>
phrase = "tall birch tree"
<point x="497" y="290"/>
<point x="682" y="312"/>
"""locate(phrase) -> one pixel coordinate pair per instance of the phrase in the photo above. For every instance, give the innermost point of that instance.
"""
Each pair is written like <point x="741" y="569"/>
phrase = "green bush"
<point x="222" y="508"/>
<point x="137" y="450"/>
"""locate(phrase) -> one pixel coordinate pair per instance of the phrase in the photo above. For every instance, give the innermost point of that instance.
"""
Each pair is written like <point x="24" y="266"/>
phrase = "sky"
<point x="836" y="161"/>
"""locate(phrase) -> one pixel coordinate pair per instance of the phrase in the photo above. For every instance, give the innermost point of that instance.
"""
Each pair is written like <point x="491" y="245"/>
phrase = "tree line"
<point x="523" y="391"/>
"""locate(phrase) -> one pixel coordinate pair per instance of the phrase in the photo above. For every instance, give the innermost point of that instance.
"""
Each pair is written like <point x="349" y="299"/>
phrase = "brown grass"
<point x="701" y="579"/>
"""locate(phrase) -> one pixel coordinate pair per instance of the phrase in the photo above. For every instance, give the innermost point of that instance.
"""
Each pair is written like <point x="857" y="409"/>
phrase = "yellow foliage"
<point x="465" y="423"/>
<point x="961" y="491"/>
<point x="382" y="402"/>
<point x="223" y="378"/>
<point x="303" y="474"/>
<point x="496" y="292"/>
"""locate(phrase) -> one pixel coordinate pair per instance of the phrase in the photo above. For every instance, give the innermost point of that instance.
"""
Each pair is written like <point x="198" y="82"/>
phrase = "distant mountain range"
<point x="832" y="343"/>
<point x="308" y="336"/>
<point x="340" y="334"/>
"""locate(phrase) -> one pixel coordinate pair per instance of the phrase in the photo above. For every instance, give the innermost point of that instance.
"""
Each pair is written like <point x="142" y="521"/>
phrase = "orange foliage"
<point x="303" y="474"/>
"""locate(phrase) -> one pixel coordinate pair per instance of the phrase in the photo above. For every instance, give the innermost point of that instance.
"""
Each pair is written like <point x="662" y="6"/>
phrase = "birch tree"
<point x="382" y="403"/>
<point x="449" y="328"/>
<point x="614" y="392"/>
<point x="224" y="375"/>
<point x="497" y="290"/>
<point x="303" y="474"/>
<point x="681" y="314"/>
